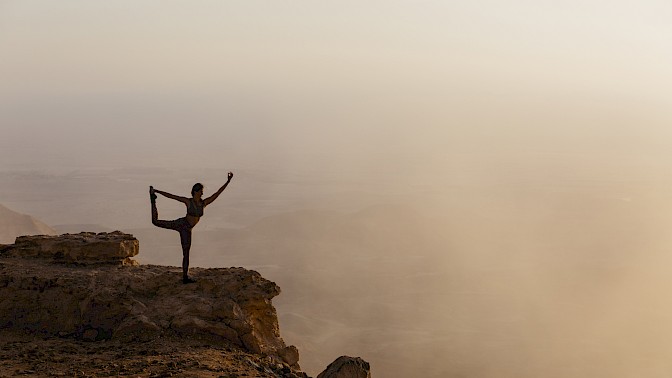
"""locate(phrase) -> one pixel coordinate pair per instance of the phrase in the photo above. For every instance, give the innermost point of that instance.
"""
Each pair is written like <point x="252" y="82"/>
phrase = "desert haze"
<point x="522" y="277"/>
<point x="445" y="189"/>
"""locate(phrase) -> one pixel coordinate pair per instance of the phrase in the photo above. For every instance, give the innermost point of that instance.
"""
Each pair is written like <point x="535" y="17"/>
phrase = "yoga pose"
<point x="195" y="206"/>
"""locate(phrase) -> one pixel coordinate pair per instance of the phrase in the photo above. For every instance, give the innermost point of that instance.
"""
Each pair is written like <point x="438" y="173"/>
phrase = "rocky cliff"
<point x="87" y="289"/>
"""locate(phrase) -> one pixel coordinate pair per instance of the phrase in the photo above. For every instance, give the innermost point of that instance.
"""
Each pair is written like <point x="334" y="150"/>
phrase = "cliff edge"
<point x="80" y="305"/>
<point x="59" y="286"/>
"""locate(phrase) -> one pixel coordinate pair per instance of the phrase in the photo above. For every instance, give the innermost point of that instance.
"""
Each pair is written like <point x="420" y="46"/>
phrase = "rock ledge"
<point x="139" y="303"/>
<point x="83" y="248"/>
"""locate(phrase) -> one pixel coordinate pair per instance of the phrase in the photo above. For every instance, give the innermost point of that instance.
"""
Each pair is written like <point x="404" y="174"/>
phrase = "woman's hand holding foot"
<point x="152" y="194"/>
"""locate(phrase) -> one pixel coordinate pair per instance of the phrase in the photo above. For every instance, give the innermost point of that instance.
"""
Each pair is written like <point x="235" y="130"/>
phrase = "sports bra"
<point x="193" y="209"/>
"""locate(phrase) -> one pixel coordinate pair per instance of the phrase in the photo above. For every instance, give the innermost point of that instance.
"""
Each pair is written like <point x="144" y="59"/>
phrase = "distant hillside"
<point x="13" y="224"/>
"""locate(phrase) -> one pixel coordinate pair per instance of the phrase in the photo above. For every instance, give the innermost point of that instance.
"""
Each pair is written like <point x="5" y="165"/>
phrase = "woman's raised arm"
<point x="213" y="197"/>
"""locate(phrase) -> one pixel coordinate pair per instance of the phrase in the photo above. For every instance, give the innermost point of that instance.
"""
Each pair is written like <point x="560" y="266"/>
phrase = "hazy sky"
<point x="340" y="83"/>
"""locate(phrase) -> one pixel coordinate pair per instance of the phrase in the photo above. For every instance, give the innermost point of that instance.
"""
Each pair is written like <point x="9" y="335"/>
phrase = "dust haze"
<point x="444" y="190"/>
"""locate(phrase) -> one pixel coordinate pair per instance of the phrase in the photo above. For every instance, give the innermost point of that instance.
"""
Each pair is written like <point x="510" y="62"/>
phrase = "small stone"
<point x="290" y="355"/>
<point x="90" y="335"/>
<point x="347" y="367"/>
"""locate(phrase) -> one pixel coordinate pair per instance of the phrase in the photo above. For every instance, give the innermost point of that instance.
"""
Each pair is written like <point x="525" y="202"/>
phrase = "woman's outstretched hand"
<point x="230" y="175"/>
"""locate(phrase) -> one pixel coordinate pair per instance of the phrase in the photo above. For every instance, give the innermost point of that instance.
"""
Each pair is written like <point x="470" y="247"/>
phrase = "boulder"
<point x="347" y="367"/>
<point x="290" y="355"/>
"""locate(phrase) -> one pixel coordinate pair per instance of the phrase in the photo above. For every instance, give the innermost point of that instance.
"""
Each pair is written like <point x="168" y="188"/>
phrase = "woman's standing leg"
<point x="185" y="239"/>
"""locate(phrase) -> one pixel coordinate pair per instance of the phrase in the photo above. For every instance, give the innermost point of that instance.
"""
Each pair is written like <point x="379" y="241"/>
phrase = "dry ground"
<point x="31" y="355"/>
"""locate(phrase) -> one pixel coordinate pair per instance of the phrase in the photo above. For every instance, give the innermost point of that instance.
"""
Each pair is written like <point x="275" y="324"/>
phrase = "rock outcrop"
<point x="347" y="367"/>
<point x="86" y="286"/>
<point x="135" y="303"/>
<point x="83" y="248"/>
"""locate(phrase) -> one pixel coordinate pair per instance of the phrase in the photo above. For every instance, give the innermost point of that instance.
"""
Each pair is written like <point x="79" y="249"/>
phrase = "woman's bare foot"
<point x="188" y="280"/>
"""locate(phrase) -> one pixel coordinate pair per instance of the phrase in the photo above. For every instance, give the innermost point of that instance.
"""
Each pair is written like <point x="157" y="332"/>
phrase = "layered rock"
<point x="347" y="367"/>
<point x="83" y="248"/>
<point x="138" y="303"/>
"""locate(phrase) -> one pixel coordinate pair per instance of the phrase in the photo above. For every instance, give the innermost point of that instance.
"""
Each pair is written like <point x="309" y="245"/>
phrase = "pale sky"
<point x="151" y="83"/>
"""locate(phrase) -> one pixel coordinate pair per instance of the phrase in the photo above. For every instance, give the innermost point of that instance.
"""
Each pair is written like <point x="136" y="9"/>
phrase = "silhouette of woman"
<point x="195" y="206"/>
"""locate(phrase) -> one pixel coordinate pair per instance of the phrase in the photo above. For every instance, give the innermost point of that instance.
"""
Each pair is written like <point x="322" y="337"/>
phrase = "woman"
<point x="195" y="206"/>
